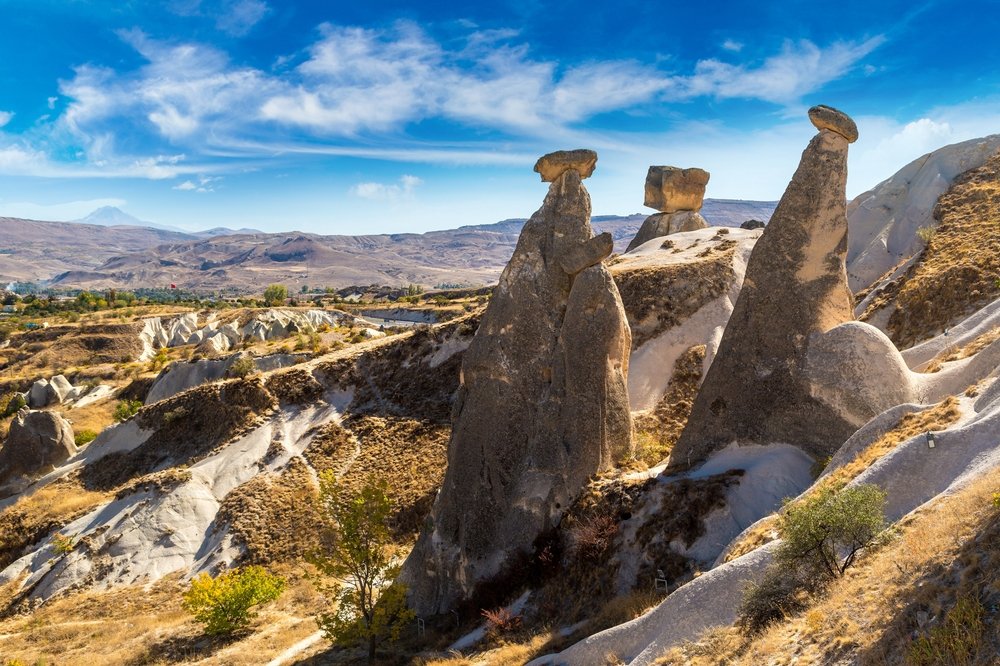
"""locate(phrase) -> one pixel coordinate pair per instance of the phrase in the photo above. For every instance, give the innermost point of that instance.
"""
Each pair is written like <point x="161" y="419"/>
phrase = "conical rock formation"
<point x="542" y="405"/>
<point x="757" y="390"/>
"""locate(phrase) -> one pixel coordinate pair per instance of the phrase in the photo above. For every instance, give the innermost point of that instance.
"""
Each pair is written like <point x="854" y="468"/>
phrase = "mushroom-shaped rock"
<point x="541" y="407"/>
<point x="553" y="165"/>
<point x="829" y="118"/>
<point x="37" y="442"/>
<point x="757" y="390"/>
<point x="670" y="189"/>
<point x="664" y="224"/>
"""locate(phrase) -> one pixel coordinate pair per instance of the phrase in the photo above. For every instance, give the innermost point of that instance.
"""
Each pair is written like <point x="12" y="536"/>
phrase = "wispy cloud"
<point x="202" y="184"/>
<point x="359" y="90"/>
<point x="387" y="192"/>
<point x="233" y="17"/>
<point x="6" y="117"/>
<point x="732" y="45"/>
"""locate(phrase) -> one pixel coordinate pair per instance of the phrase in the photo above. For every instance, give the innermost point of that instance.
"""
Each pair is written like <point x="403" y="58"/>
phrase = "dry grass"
<point x="938" y="417"/>
<point x="94" y="417"/>
<point x="34" y="516"/>
<point x="971" y="349"/>
<point x="959" y="270"/>
<point x="133" y="626"/>
<point x="944" y="553"/>
<point x="658" y="431"/>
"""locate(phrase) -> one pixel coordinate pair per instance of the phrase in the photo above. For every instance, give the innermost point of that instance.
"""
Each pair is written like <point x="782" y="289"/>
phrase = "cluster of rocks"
<point x="215" y="337"/>
<point x="542" y="404"/>
<point x="678" y="194"/>
<point x="59" y="391"/>
<point x="36" y="443"/>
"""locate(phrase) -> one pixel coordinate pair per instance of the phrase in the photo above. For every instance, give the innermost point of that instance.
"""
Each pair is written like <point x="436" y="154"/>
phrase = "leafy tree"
<point x="225" y="604"/>
<point x="822" y="535"/>
<point x="370" y="607"/>
<point x="826" y="531"/>
<point x="126" y="409"/>
<point x="275" y="294"/>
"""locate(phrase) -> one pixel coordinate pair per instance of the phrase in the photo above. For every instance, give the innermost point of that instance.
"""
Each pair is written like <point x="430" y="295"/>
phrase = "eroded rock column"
<point x="678" y="194"/>
<point x="542" y="404"/>
<point x="757" y="391"/>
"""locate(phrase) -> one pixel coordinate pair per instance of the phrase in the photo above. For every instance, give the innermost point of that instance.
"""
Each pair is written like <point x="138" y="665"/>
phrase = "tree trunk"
<point x="371" y="649"/>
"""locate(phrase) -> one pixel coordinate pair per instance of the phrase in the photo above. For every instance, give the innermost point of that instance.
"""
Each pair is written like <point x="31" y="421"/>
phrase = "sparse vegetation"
<point x="225" y="604"/>
<point x="956" y="640"/>
<point x="126" y="409"/>
<point x="242" y="367"/>
<point x="84" y="437"/>
<point x="822" y="537"/>
<point x="370" y="606"/>
<point x="63" y="544"/>
<point x="275" y="294"/>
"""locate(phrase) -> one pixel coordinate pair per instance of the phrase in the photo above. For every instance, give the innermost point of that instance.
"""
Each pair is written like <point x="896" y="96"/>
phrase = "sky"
<point x="389" y="117"/>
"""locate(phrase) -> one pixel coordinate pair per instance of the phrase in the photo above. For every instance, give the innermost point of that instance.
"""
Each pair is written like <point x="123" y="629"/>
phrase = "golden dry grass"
<point x="658" y="430"/>
<point x="938" y="417"/>
<point x="134" y="625"/>
<point x="32" y="517"/>
<point x="970" y="349"/>
<point x="959" y="270"/>
<point x="944" y="552"/>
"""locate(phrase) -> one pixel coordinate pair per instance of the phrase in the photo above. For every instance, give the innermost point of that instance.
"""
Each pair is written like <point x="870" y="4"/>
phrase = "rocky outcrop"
<point x="37" y="442"/>
<point x="55" y="391"/>
<point x="757" y="390"/>
<point x="678" y="194"/>
<point x="884" y="221"/>
<point x="541" y="407"/>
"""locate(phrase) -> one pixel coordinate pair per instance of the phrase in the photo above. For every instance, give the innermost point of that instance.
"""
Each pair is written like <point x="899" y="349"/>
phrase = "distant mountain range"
<point x="110" y="248"/>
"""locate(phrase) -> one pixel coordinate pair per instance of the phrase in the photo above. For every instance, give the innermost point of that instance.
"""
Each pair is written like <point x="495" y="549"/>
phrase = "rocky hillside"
<point x="89" y="256"/>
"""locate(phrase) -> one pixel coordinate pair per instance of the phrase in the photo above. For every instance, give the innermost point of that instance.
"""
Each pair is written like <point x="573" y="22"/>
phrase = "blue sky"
<point x="337" y="117"/>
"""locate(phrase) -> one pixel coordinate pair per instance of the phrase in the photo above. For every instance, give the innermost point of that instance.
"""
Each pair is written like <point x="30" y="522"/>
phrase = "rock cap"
<point x="553" y="165"/>
<point x="670" y="189"/>
<point x="827" y="117"/>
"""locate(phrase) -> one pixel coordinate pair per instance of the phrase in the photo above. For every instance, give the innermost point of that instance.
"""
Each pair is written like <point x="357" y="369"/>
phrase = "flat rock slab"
<point x="553" y="165"/>
<point x="670" y="189"/>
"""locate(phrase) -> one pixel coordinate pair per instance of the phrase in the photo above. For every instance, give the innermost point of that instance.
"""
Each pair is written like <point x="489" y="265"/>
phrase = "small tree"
<point x="826" y="531"/>
<point x="370" y="607"/>
<point x="275" y="294"/>
<point x="822" y="535"/>
<point x="126" y="409"/>
<point x="225" y="604"/>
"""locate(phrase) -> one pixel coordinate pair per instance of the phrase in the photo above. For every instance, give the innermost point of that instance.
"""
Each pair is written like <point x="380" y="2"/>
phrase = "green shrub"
<point x="10" y="404"/>
<point x="225" y="604"/>
<point x="955" y="641"/>
<point x="242" y="367"/>
<point x="63" y="544"/>
<point x="926" y="234"/>
<point x="826" y="530"/>
<point x="84" y="437"/>
<point x="126" y="409"/>
<point x="275" y="294"/>
<point x="822" y="536"/>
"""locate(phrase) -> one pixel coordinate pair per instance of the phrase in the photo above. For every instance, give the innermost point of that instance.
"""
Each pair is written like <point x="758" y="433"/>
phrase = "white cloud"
<point x="203" y="184"/>
<point x="238" y="17"/>
<point x="799" y="69"/>
<point x="5" y="117"/>
<point x="387" y="192"/>
<point x="732" y="45"/>
<point x="52" y="102"/>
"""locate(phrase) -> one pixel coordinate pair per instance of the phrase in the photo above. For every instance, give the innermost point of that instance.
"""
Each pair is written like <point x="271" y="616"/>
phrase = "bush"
<point x="242" y="367"/>
<point x="62" y="544"/>
<point x="10" y="404"/>
<point x="84" y="437"/>
<point x="275" y="294"/>
<point x="780" y="593"/>
<point x="126" y="409"/>
<point x="225" y="604"/>
<point x="500" y="621"/>
<point x="821" y="538"/>
<point x="954" y="641"/>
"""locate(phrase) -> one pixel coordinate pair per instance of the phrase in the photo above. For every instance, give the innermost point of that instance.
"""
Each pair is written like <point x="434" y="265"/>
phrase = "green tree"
<point x="370" y="605"/>
<point x="275" y="294"/>
<point x="126" y="409"/>
<point x="225" y="604"/>
<point x="822" y="535"/>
